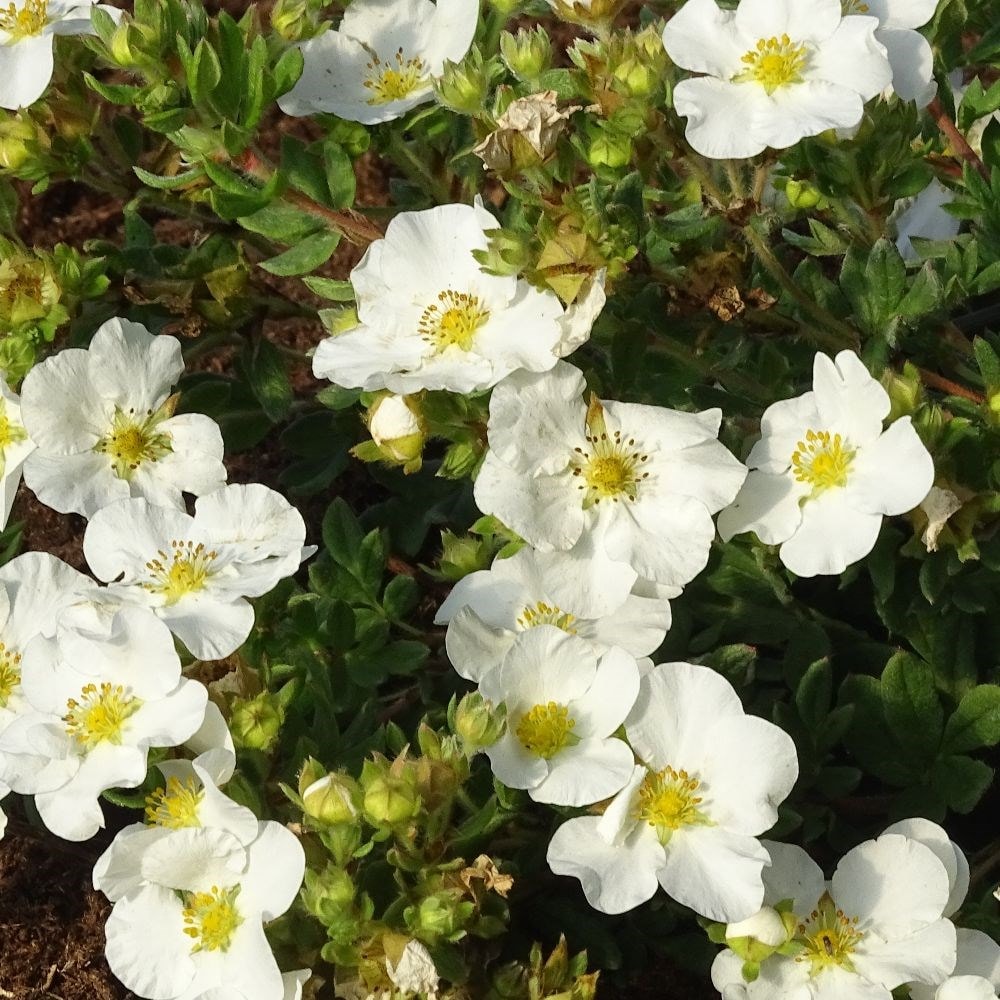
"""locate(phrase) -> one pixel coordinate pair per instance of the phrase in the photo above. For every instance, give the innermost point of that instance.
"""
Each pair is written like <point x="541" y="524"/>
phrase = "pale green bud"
<point x="390" y="795"/>
<point x="528" y="53"/>
<point x="397" y="427"/>
<point x="256" y="723"/>
<point x="478" y="724"/>
<point x="464" y="86"/>
<point x="332" y="800"/>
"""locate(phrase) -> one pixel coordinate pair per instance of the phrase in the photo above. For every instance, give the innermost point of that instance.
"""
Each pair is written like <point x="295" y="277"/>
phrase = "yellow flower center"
<point x="395" y="78"/>
<point x="668" y="801"/>
<point x="854" y="7"/>
<point x="544" y="614"/>
<point x="29" y="19"/>
<point x="10" y="433"/>
<point x="453" y="320"/>
<point x="176" y="805"/>
<point x="546" y="729"/>
<point x="100" y="714"/>
<point x="822" y="460"/>
<point x="10" y="673"/>
<point x="184" y="571"/>
<point x="829" y="937"/>
<point x="610" y="467"/>
<point x="211" y="918"/>
<point x="774" y="63"/>
<point x="130" y="441"/>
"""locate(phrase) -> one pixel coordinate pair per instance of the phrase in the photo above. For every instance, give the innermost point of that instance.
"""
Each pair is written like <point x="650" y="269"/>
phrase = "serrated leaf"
<point x="912" y="706"/>
<point x="975" y="723"/>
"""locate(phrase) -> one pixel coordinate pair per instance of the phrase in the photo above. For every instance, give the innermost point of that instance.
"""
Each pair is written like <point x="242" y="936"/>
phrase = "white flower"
<point x="15" y="447"/>
<point x="189" y="797"/>
<point x="562" y="707"/>
<point x="630" y="487"/>
<point x="910" y="54"/>
<point x="824" y="473"/>
<point x="27" y="29"/>
<point x="382" y="60"/>
<point x="876" y="925"/>
<point x="688" y="820"/>
<point x="486" y="610"/>
<point x="195" y="572"/>
<point x="924" y="217"/>
<point x="773" y="72"/>
<point x="103" y="423"/>
<point x="393" y="419"/>
<point x="415" y="971"/>
<point x="976" y="975"/>
<point x="196" y="929"/>
<point x="431" y="318"/>
<point x="102" y="691"/>
<point x="945" y="850"/>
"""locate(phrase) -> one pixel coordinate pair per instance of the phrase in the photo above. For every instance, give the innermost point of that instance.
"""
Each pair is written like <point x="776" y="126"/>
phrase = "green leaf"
<point x="306" y="256"/>
<point x="912" y="707"/>
<point x="267" y="378"/>
<point x="962" y="781"/>
<point x="331" y="289"/>
<point x="281" y="223"/>
<point x="339" y="175"/>
<point x="976" y="721"/>
<point x="988" y="361"/>
<point x="814" y="695"/>
<point x="181" y="180"/>
<point x="342" y="534"/>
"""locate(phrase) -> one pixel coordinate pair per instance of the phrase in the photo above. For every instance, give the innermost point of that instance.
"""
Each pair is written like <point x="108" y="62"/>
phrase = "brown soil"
<point x="52" y="922"/>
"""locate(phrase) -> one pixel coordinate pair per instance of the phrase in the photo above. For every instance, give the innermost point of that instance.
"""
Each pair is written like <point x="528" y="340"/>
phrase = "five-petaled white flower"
<point x="774" y="72"/>
<point x="486" y="610"/>
<point x="196" y="572"/>
<point x="27" y="30"/>
<point x="431" y="318"/>
<point x="632" y="488"/>
<point x="188" y="797"/>
<point x="876" y="925"/>
<point x="711" y="780"/>
<point x="382" y="60"/>
<point x="910" y="54"/>
<point x="824" y="474"/>
<point x="104" y="425"/>
<point x="196" y="927"/>
<point x="563" y="704"/>
<point x="15" y="447"/>
<point x="101" y="692"/>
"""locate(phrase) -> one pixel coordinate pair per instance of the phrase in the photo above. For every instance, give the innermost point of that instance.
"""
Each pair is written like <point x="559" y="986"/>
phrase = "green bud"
<point x="610" y="150"/>
<point x="390" y="798"/>
<point x="332" y="800"/>
<point x="906" y="391"/>
<point x="17" y="137"/>
<point x="464" y="554"/>
<point x="256" y="723"/>
<point x="477" y="723"/>
<point x="441" y="916"/>
<point x="295" y="20"/>
<point x="312" y="770"/>
<point x="527" y="54"/>
<point x="464" y="86"/>
<point x="328" y="893"/>
<point x="595" y="15"/>
<point x="803" y="195"/>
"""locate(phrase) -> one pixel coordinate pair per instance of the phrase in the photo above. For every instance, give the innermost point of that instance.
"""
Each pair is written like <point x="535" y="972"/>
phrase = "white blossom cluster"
<point x="90" y="675"/>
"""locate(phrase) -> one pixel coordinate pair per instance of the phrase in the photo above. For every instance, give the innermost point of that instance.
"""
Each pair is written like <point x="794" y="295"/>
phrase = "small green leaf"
<point x="306" y="256"/>
<point x="912" y="707"/>
<point x="976" y="721"/>
<point x="267" y="378"/>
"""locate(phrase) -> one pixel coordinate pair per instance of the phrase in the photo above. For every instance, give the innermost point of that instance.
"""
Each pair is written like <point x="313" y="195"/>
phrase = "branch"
<point x="956" y="140"/>
<point x="936" y="381"/>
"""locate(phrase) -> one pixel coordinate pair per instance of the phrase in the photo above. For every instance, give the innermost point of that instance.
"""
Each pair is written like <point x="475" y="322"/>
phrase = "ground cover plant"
<point x="505" y="503"/>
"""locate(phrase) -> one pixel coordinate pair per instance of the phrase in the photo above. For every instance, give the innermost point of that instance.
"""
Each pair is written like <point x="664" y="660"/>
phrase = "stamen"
<point x="10" y="673"/>
<point x="453" y="320"/>
<point x="27" y="20"/>
<point x="774" y="63"/>
<point x="176" y="805"/>
<point x="394" y="79"/>
<point x="132" y="440"/>
<point x="184" y="571"/>
<point x="822" y="460"/>
<point x="667" y="801"/>
<point x="100" y="715"/>
<point x="546" y="729"/>
<point x="212" y="918"/>
<point x="544" y="614"/>
<point x="829" y="937"/>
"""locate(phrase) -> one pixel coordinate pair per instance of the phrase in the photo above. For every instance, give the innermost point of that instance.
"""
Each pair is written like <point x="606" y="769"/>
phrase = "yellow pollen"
<point x="453" y="320"/>
<point x="10" y="433"/>
<point x="100" y="715"/>
<point x="394" y="79"/>
<point x="184" y="571"/>
<point x="544" y="614"/>
<point x="822" y="460"/>
<point x="32" y="16"/>
<point x="667" y="801"/>
<point x="132" y="440"/>
<point x="175" y="806"/>
<point x="546" y="729"/>
<point x="610" y="467"/>
<point x="829" y="937"/>
<point x="211" y="918"/>
<point x="774" y="63"/>
<point x="10" y="673"/>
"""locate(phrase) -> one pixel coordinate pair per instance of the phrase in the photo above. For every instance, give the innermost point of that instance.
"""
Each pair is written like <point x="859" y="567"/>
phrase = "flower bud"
<point x="390" y="798"/>
<point x="256" y="723"/>
<point x="595" y="15"/>
<point x="477" y="723"/>
<point x="295" y="20"/>
<point x="528" y="53"/>
<point x="759" y="936"/>
<point x="331" y="800"/>
<point x="327" y="893"/>
<point x="441" y="916"/>
<point x="803" y="195"/>
<point x="17" y="134"/>
<point x="906" y="391"/>
<point x="464" y="86"/>
<point x="609" y="150"/>
<point x="463" y="554"/>
<point x="397" y="428"/>
<point x="312" y="770"/>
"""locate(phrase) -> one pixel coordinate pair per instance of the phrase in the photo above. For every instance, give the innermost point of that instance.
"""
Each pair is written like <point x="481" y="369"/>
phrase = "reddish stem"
<point x="956" y="140"/>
